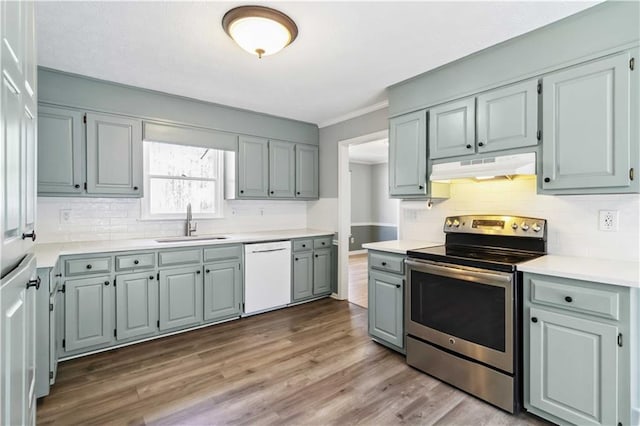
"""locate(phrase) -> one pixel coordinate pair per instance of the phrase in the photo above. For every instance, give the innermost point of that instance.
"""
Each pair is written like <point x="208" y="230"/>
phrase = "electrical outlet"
<point x="608" y="220"/>
<point x="65" y="215"/>
<point x="353" y="240"/>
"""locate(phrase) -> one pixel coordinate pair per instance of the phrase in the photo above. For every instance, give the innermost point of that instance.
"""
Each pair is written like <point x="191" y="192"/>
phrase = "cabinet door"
<point x="222" y="290"/>
<point x="408" y="154"/>
<point x="281" y="169"/>
<point x="573" y="368"/>
<point x="88" y="312"/>
<point x="386" y="307"/>
<point x="306" y="171"/>
<point x="302" y="275"/>
<point x="322" y="271"/>
<point x="253" y="167"/>
<point x="586" y="139"/>
<point x="180" y="297"/>
<point x="17" y="334"/>
<point x="114" y="155"/>
<point x="508" y="117"/>
<point x="60" y="151"/>
<point x="136" y="305"/>
<point x="452" y="129"/>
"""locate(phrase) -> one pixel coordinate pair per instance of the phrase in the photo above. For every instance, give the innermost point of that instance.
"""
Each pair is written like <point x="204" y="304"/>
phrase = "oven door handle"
<point x="461" y="273"/>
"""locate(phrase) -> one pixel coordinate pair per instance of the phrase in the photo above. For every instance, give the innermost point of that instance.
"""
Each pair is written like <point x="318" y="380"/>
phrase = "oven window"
<point x="467" y="310"/>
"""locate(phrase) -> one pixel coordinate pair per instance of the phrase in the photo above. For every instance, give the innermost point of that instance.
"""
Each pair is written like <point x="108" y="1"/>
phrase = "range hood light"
<point x="485" y="177"/>
<point x="485" y="168"/>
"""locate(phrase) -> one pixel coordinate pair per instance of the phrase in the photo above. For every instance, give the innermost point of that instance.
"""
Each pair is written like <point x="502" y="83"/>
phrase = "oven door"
<point x="462" y="309"/>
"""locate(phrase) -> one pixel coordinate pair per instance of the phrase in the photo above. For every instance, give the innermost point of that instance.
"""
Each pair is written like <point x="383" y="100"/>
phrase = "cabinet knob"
<point x="151" y="277"/>
<point x="135" y="262"/>
<point x="384" y="263"/>
<point x="323" y="243"/>
<point x="34" y="283"/>
<point x="398" y="285"/>
<point x="89" y="266"/>
<point x="31" y="235"/>
<point x="298" y="193"/>
<point x="207" y="271"/>
<point x="135" y="188"/>
<point x="316" y="255"/>
<point x="420" y="186"/>
<point x="76" y="186"/>
<point x="242" y="191"/>
<point x="480" y="143"/>
<point x="534" y="319"/>
<point x="296" y="259"/>
<point x="304" y="245"/>
<point x="271" y="192"/>
<point x="568" y="299"/>
<point x="547" y="180"/>
<point x="106" y="283"/>
<point x="198" y="271"/>
<point x="468" y="146"/>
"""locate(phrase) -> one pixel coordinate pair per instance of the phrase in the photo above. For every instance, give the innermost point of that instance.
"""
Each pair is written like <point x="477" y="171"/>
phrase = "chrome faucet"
<point x="190" y="227"/>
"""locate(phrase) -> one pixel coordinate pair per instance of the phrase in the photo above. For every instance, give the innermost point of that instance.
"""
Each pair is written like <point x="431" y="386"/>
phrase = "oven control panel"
<point x="497" y="225"/>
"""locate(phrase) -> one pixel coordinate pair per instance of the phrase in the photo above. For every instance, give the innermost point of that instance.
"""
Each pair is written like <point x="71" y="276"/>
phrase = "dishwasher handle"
<point x="268" y="251"/>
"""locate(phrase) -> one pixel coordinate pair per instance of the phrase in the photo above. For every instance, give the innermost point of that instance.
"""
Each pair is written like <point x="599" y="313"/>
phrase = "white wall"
<point x="572" y="220"/>
<point x="119" y="218"/>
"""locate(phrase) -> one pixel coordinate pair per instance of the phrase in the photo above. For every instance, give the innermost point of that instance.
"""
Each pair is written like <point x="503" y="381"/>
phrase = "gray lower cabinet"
<point x="253" y="167"/>
<point x="386" y="299"/>
<point x="114" y="155"/>
<point x="302" y="275"/>
<point x="89" y="313"/>
<point x="408" y="155"/>
<point x="222" y="290"/>
<point x="136" y="305"/>
<point x="322" y="271"/>
<point x="281" y="169"/>
<point x="60" y="150"/>
<point x="577" y="349"/>
<point x="306" y="177"/>
<point x="181" y="299"/>
<point x="586" y="113"/>
<point x="312" y="268"/>
<point x="452" y="129"/>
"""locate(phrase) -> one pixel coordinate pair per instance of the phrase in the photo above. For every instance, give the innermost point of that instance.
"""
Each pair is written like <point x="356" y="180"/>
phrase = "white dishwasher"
<point x="267" y="276"/>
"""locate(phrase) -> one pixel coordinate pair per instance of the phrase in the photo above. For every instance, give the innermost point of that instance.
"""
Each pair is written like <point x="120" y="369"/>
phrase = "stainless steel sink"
<point x="191" y="238"/>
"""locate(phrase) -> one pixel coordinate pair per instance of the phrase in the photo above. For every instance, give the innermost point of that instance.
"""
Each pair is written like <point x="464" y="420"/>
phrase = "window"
<point x="176" y="175"/>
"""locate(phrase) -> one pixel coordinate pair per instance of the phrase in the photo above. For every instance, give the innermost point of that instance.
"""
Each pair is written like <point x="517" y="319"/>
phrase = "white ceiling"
<point x="345" y="55"/>
<point x="375" y="152"/>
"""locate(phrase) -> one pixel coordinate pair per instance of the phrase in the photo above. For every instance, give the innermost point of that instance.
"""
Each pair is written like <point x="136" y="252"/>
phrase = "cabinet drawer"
<point x="386" y="262"/>
<point x="322" y="242"/>
<point x="91" y="265"/>
<point x="179" y="257"/>
<point x="135" y="261"/>
<point x="222" y="253"/>
<point x="302" y="245"/>
<point x="603" y="303"/>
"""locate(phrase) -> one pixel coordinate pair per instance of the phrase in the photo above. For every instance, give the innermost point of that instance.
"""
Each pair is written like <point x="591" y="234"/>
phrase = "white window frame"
<point x="218" y="201"/>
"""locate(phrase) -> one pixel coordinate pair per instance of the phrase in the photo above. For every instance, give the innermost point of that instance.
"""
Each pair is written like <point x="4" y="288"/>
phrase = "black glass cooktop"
<point x="479" y="257"/>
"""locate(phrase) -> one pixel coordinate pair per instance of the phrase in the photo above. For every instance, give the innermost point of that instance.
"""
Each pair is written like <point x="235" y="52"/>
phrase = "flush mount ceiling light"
<point x="259" y="30"/>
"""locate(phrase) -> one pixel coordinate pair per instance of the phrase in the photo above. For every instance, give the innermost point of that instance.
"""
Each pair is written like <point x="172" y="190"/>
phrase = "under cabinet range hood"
<point x="486" y="168"/>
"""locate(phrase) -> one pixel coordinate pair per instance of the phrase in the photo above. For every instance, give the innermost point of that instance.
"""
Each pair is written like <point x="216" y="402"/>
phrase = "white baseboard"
<point x="356" y="252"/>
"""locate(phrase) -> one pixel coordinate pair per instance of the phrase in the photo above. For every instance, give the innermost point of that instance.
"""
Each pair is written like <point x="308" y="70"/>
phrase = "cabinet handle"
<point x="468" y="146"/>
<point x="135" y="188"/>
<point x="89" y="266"/>
<point x="135" y="262"/>
<point x="398" y="285"/>
<point x="106" y="283"/>
<point x="534" y="319"/>
<point x="207" y="271"/>
<point x="568" y="299"/>
<point x="480" y="143"/>
<point x="31" y="235"/>
<point x="34" y="283"/>
<point x="58" y="275"/>
<point x="76" y="186"/>
<point x="547" y="180"/>
<point x="197" y="272"/>
<point x="150" y="277"/>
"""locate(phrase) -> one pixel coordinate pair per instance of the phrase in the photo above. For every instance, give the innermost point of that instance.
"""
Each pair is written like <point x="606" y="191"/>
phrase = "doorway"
<point x="366" y="214"/>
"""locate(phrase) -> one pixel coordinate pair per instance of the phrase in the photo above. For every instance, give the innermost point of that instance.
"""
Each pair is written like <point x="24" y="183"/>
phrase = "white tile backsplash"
<point x="120" y="218"/>
<point x="572" y="219"/>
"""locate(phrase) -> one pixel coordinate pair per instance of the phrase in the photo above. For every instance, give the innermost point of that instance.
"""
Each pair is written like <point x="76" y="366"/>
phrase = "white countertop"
<point x="616" y="272"/>
<point x="399" y="246"/>
<point x="47" y="254"/>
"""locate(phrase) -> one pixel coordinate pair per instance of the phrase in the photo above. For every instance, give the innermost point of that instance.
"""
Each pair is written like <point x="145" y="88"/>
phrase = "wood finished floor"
<point x="311" y="364"/>
<point x="358" y="279"/>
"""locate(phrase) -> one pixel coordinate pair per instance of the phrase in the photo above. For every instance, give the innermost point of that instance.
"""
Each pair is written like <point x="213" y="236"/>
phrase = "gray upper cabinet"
<point x="222" y="290"/>
<point x="508" y="117"/>
<point x="88" y="312"/>
<point x="587" y="139"/>
<point x="321" y="271"/>
<point x="452" y="129"/>
<point x="281" y="169"/>
<point x="253" y="167"/>
<point x="180" y="297"/>
<point x="408" y="155"/>
<point x="114" y="155"/>
<point x="136" y="305"/>
<point x="60" y="150"/>
<point x="306" y="180"/>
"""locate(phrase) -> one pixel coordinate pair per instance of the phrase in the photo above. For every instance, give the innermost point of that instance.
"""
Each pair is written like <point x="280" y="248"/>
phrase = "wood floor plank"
<point x="308" y="364"/>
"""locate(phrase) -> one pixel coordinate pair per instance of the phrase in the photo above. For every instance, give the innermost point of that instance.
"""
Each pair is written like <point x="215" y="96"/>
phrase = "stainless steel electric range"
<point x="464" y="305"/>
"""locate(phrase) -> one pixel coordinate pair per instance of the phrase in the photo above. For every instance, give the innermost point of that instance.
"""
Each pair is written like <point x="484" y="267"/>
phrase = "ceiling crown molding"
<point x="354" y="114"/>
